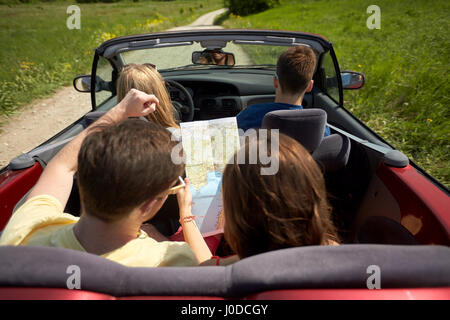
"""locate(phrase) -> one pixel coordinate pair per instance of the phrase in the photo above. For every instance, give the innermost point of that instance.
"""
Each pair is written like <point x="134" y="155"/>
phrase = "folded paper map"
<point x="208" y="146"/>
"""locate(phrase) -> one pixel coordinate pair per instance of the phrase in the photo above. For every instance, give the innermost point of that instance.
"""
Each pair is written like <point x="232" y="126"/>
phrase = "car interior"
<point x="382" y="219"/>
<point x="349" y="164"/>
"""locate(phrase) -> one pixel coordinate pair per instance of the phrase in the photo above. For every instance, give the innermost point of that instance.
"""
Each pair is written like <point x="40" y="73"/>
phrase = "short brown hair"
<point x="123" y="165"/>
<point x="270" y="212"/>
<point x="295" y="69"/>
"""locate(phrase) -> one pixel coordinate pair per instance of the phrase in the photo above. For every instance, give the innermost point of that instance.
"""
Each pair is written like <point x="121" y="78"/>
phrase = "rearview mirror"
<point x="352" y="80"/>
<point x="214" y="57"/>
<point x="82" y="83"/>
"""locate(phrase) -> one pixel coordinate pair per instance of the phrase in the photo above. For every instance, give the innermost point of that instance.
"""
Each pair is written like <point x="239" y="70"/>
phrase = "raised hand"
<point x="184" y="198"/>
<point x="137" y="103"/>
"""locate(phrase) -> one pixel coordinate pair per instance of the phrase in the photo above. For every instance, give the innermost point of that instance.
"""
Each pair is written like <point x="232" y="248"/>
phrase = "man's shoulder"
<point x="256" y="109"/>
<point x="261" y="106"/>
<point x="37" y="213"/>
<point x="271" y="106"/>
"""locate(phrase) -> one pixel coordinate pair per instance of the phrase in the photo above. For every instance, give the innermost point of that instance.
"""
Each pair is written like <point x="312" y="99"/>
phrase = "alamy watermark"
<point x="74" y="20"/>
<point x="374" y="280"/>
<point x="374" y="20"/>
<point x="74" y="280"/>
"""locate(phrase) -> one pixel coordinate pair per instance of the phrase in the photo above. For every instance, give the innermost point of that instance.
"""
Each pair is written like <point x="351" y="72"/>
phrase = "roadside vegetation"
<point x="406" y="63"/>
<point x="40" y="54"/>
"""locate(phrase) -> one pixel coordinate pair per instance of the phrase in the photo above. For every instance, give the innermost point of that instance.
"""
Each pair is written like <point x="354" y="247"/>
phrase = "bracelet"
<point x="217" y="260"/>
<point x="186" y="219"/>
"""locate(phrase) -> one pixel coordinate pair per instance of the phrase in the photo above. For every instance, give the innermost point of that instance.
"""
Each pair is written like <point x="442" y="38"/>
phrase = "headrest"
<point x="333" y="153"/>
<point x="307" y="126"/>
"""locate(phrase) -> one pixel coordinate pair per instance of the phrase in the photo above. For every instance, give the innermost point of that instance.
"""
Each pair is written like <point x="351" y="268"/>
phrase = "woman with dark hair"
<point x="270" y="212"/>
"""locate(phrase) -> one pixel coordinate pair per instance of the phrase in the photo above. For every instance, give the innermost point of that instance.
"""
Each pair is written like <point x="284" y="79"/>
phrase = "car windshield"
<point x="180" y="57"/>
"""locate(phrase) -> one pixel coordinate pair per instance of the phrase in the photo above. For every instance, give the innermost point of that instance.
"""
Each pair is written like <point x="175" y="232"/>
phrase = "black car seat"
<point x="383" y="230"/>
<point x="307" y="126"/>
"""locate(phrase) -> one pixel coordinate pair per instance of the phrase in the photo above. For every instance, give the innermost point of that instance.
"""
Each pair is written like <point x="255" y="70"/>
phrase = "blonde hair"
<point x="149" y="80"/>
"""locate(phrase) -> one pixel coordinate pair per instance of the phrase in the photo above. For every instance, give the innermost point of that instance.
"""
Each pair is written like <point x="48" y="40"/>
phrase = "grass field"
<point x="40" y="54"/>
<point x="406" y="63"/>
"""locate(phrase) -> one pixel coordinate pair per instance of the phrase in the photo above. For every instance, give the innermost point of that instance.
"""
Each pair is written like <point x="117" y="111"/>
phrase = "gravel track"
<point x="43" y="118"/>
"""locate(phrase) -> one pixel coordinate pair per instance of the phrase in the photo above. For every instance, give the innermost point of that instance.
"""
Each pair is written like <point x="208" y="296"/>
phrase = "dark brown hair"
<point x="295" y="69"/>
<point x="121" y="166"/>
<point x="270" y="212"/>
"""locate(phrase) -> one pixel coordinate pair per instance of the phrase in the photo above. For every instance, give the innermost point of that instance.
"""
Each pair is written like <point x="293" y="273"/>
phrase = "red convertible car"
<point x="393" y="217"/>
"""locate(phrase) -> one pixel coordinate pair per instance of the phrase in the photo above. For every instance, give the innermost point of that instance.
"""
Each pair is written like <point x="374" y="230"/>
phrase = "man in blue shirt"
<point x="295" y="69"/>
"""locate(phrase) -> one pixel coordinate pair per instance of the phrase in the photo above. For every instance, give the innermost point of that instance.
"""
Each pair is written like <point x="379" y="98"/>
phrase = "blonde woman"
<point x="146" y="78"/>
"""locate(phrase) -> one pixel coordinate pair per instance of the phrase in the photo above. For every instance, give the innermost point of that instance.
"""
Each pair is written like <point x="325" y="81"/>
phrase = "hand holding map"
<point x="208" y="145"/>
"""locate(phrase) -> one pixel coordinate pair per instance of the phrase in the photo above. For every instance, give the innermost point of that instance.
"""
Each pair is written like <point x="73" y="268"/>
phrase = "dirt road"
<point x="43" y="118"/>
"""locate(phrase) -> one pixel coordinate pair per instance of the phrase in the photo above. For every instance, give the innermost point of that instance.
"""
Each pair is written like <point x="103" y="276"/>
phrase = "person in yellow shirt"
<point x="124" y="175"/>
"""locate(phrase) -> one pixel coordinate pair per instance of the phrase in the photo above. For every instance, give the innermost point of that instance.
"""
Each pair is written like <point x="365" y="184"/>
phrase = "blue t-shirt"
<point x="252" y="116"/>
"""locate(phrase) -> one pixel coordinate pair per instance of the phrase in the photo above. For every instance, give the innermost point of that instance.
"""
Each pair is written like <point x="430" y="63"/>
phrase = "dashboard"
<point x="224" y="93"/>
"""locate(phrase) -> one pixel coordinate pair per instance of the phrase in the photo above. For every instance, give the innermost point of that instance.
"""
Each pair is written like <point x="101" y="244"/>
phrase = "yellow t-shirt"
<point x="41" y="222"/>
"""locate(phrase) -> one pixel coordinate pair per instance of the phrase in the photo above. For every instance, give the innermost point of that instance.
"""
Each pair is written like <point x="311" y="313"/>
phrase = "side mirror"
<point x="82" y="83"/>
<point x="214" y="57"/>
<point x="352" y="80"/>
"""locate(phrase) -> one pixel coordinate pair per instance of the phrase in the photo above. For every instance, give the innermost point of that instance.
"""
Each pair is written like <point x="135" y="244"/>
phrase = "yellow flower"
<point x="66" y="66"/>
<point x="430" y="120"/>
<point x="25" y="65"/>
<point x="106" y="36"/>
<point x="359" y="65"/>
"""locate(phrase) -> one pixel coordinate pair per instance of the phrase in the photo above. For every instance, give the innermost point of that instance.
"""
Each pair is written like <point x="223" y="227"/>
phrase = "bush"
<point x="244" y="8"/>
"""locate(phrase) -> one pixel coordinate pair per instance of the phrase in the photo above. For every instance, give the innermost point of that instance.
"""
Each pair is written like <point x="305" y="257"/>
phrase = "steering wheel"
<point x="186" y="112"/>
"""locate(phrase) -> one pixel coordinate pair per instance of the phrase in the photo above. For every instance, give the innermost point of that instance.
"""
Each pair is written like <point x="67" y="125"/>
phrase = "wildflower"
<point x="106" y="36"/>
<point x="25" y="65"/>
<point x="66" y="66"/>
<point x="359" y="65"/>
<point x="430" y="120"/>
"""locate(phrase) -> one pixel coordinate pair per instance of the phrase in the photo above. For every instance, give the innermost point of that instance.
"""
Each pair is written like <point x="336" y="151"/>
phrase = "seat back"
<point x="383" y="230"/>
<point x="318" y="267"/>
<point x="307" y="126"/>
<point x="333" y="153"/>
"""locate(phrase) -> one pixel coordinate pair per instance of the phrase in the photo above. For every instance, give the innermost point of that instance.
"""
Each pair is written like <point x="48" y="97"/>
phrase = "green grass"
<point x="406" y="63"/>
<point x="40" y="54"/>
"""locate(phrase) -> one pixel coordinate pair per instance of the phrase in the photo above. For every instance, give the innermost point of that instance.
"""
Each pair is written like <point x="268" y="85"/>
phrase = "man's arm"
<point x="57" y="178"/>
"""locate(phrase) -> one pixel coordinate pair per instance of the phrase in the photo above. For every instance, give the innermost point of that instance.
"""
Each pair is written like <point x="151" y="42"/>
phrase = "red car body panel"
<point x="13" y="186"/>
<point x="419" y="197"/>
<point x="355" y="294"/>
<point x="15" y="293"/>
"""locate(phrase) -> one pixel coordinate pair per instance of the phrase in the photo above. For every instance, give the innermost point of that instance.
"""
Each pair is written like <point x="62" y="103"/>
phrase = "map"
<point x="208" y="146"/>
